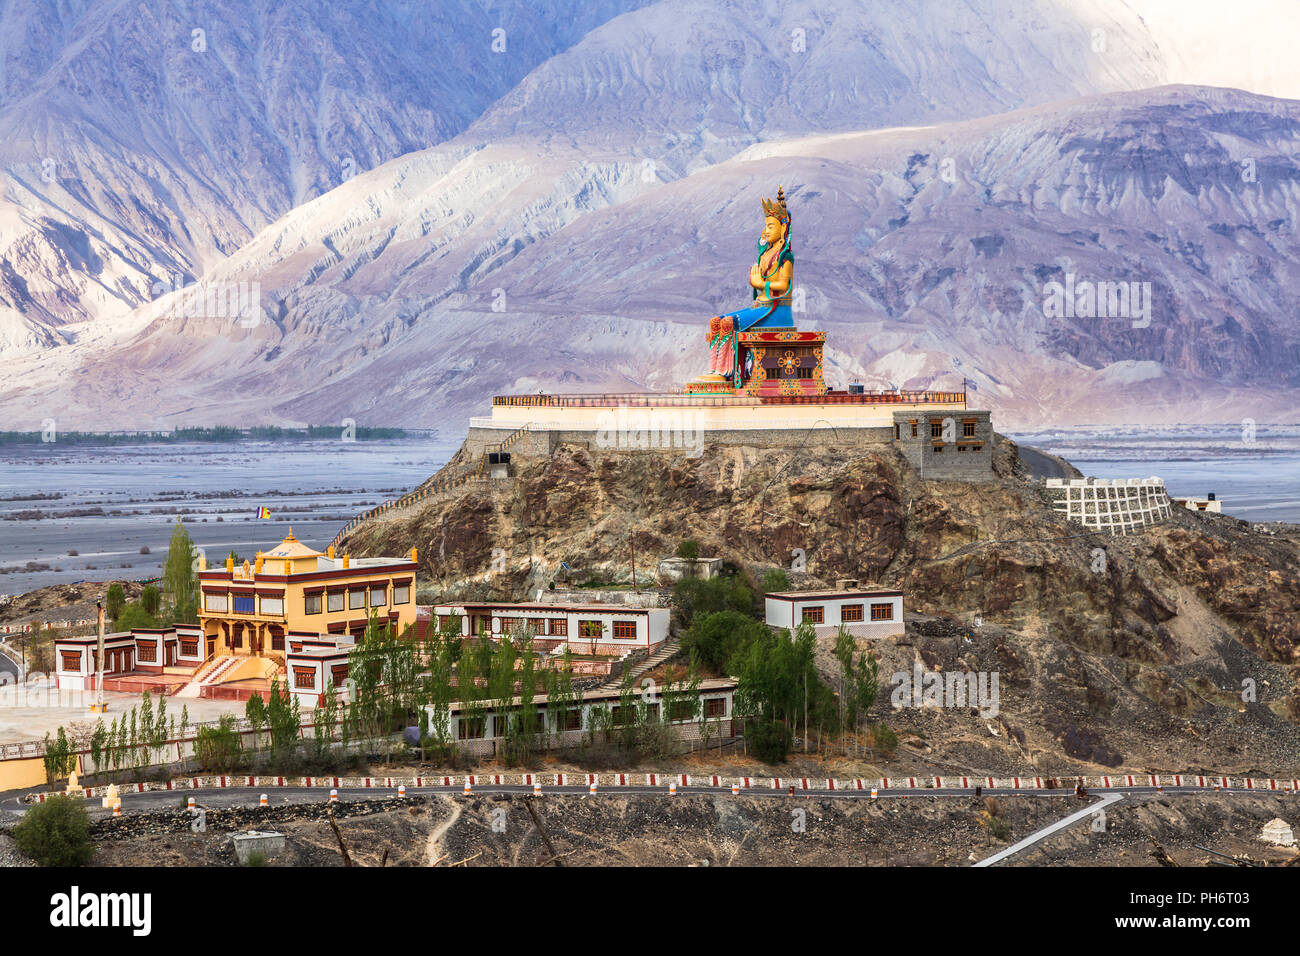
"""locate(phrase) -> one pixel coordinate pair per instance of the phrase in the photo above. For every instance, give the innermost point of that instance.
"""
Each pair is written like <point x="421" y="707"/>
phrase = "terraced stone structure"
<point x="1115" y="507"/>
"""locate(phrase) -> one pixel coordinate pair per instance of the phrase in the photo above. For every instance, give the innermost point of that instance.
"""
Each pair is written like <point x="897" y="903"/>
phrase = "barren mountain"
<point x="141" y="143"/>
<point x="414" y="292"/>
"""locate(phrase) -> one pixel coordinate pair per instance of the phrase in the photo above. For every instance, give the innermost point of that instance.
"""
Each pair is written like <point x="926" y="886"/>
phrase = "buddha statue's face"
<point x="773" y="231"/>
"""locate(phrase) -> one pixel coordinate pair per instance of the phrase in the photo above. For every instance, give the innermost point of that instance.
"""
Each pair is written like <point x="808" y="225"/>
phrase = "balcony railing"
<point x="647" y="399"/>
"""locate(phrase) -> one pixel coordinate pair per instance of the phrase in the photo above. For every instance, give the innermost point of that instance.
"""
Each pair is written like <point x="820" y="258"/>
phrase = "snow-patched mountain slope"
<point x="685" y="82"/>
<point x="139" y="144"/>
<point x="927" y="253"/>
<point x="143" y="142"/>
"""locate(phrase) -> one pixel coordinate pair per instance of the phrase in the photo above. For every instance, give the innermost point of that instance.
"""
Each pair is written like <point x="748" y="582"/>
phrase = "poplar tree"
<point x="180" y="583"/>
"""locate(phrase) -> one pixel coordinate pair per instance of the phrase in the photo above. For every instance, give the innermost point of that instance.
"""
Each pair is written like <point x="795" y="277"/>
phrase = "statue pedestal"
<point x="710" y="383"/>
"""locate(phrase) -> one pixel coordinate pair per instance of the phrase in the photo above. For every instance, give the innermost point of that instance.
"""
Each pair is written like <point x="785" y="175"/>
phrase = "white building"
<point x="611" y="629"/>
<point x="865" y="613"/>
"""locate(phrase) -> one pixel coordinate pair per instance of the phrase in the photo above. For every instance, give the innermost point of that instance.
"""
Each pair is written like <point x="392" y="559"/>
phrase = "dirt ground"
<point x="721" y="830"/>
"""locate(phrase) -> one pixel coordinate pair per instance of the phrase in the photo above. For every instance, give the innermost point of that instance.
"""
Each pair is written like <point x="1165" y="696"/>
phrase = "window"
<point x="378" y="596"/>
<point x="936" y="428"/>
<point x="590" y="629"/>
<point x="148" y="652"/>
<point x="961" y="447"/>
<point x="938" y="449"/>
<point x="882" y="612"/>
<point x="339" y="674"/>
<point x="913" y="423"/>
<point x="559" y="626"/>
<point x="311" y="604"/>
<point x="277" y="640"/>
<point x="968" y="429"/>
<point x="273" y="606"/>
<point x="624" y="716"/>
<point x="501" y="726"/>
<point x="814" y="615"/>
<point x="625" y="629"/>
<point x="304" y="678"/>
<point x="572" y="719"/>
<point x="70" y="660"/>
<point x="897" y="430"/>
<point x="335" y="601"/>
<point x="803" y="372"/>
<point x="652" y="712"/>
<point x="216" y="602"/>
<point x="470" y="728"/>
<point x="190" y="648"/>
<point x="356" y="599"/>
<point x="243" y="604"/>
<point x="715" y="707"/>
<point x="401" y="594"/>
<point x="512" y="625"/>
<point x="681" y="710"/>
<point x="850" y="613"/>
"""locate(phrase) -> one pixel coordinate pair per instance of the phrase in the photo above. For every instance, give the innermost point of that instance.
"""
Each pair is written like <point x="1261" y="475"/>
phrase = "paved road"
<point x="248" y="796"/>
<point x="1047" y="831"/>
<point x="10" y="667"/>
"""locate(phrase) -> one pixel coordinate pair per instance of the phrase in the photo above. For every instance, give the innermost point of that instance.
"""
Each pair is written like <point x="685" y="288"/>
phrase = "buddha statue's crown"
<point x="777" y="209"/>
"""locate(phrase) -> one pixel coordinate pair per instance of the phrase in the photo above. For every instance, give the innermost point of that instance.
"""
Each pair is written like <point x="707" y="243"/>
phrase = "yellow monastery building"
<point x="249" y="610"/>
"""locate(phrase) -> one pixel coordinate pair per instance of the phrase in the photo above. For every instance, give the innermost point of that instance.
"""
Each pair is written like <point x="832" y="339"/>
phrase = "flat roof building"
<point x="864" y="612"/>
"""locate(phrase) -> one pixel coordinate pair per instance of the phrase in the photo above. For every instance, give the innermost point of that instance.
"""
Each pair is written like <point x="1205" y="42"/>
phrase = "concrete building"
<point x="587" y="628"/>
<point x="247" y="611"/>
<point x="946" y="444"/>
<point x="863" y="612"/>
<point x="1209" y="503"/>
<point x="487" y="722"/>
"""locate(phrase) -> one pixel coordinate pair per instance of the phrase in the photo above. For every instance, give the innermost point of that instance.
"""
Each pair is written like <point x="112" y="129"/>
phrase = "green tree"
<point x="99" y="741"/>
<point x="180" y="580"/>
<point x="689" y="550"/>
<point x="59" y="758"/>
<point x="694" y="598"/>
<point x="218" y="748"/>
<point x="114" y="602"/>
<point x="151" y="600"/>
<point x="283" y="722"/>
<point x="134" y="617"/>
<point x="56" y="832"/>
<point x="717" y="637"/>
<point x="255" y="714"/>
<point x="776" y="580"/>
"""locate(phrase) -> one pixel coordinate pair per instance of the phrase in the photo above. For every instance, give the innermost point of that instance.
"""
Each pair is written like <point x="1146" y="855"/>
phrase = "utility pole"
<point x="99" y="668"/>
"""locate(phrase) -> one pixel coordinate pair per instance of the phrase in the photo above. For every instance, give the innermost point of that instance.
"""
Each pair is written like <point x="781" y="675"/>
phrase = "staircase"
<point x="667" y="650"/>
<point x="209" y="673"/>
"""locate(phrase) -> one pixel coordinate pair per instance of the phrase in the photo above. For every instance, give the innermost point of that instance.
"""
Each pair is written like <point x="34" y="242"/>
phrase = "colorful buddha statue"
<point x="771" y="279"/>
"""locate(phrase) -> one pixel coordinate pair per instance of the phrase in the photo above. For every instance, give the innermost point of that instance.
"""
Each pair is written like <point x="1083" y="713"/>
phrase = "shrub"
<point x="56" y="832"/>
<point x="689" y="550"/>
<point x="885" y="739"/>
<point x="768" y="740"/>
<point x="716" y="638"/>
<point x="218" y="748"/>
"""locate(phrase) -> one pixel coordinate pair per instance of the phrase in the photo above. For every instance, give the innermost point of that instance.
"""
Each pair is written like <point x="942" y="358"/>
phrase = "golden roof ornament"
<point x="777" y="210"/>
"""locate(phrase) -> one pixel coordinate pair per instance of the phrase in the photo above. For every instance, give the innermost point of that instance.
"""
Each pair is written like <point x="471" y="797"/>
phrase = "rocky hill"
<point x="1112" y="651"/>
